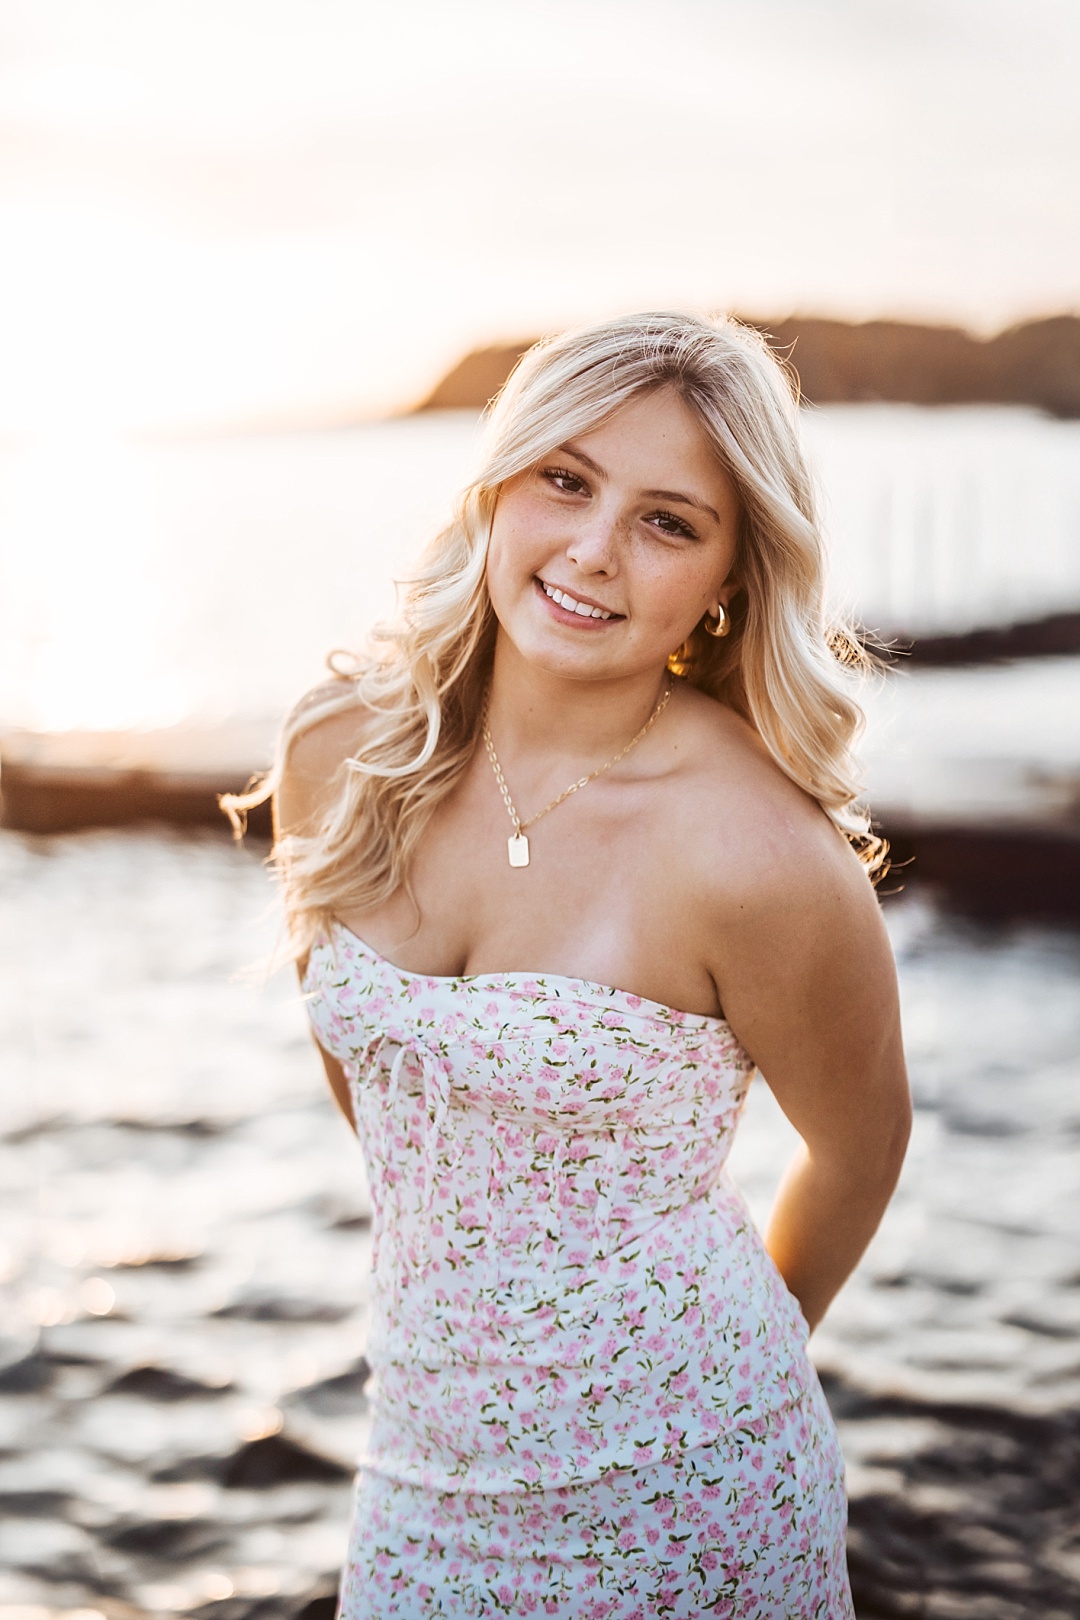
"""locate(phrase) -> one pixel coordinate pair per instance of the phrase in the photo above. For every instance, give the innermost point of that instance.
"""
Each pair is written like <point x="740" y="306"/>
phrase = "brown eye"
<point x="562" y="478"/>
<point x="668" y="523"/>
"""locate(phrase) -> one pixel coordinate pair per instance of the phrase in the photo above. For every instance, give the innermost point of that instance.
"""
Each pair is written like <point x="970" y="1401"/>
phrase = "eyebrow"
<point x="653" y="494"/>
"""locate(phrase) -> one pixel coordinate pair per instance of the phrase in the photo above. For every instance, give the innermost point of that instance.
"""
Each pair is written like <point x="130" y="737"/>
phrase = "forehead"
<point x="656" y="441"/>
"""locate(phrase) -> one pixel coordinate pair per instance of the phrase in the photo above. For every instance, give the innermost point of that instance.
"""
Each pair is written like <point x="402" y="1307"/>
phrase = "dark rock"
<point x="334" y="1213"/>
<point x="283" y="1308"/>
<point x="476" y="378"/>
<point x="237" y="1608"/>
<point x="990" y="873"/>
<point x="162" y="1384"/>
<point x="243" y="1608"/>
<point x="277" y="1460"/>
<point x="175" y="1540"/>
<point x="38" y="1127"/>
<point x="959" y="1287"/>
<point x="1040" y="1326"/>
<point x="963" y="1287"/>
<point x="70" y="1358"/>
<point x="196" y="1127"/>
<point x="158" y="1262"/>
<point x="337" y="1396"/>
<point x="40" y="797"/>
<point x="965" y="1124"/>
<point x="1057" y="635"/>
<point x="905" y="1562"/>
<point x="318" y="1608"/>
<point x="1038" y="363"/>
<point x="274" y="1459"/>
<point x="840" y="362"/>
<point x="27" y="1376"/>
<point x="996" y="1550"/>
<point x="34" y="1504"/>
<point x="186" y="1469"/>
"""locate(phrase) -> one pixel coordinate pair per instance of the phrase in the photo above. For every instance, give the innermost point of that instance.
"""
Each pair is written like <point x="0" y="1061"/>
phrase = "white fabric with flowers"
<point x="566" y="1280"/>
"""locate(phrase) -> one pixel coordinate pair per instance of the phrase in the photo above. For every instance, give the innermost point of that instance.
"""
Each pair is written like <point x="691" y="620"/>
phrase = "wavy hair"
<point x="418" y="693"/>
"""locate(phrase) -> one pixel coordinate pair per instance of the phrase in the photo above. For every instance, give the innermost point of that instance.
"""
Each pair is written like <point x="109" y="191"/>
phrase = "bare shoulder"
<point x="755" y="842"/>
<point x="785" y="915"/>
<point x="328" y="726"/>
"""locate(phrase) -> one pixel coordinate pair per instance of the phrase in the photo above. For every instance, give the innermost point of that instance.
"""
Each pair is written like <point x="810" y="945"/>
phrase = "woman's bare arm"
<point x="338" y="1084"/>
<point x="307" y="780"/>
<point x="809" y="986"/>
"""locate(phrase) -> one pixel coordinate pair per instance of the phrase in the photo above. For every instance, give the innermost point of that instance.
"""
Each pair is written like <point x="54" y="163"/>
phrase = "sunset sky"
<point x="218" y="211"/>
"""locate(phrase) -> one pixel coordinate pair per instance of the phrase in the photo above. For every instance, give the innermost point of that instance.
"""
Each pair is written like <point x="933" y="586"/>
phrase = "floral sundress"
<point x="592" y="1393"/>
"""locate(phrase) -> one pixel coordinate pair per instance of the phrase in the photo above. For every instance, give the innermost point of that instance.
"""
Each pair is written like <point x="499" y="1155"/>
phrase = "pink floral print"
<point x="750" y="1527"/>
<point x="566" y="1282"/>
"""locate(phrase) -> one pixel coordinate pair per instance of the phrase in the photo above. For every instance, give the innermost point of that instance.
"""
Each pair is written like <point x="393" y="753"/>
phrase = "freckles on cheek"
<point x="519" y="543"/>
<point x="511" y="560"/>
<point x="672" y="608"/>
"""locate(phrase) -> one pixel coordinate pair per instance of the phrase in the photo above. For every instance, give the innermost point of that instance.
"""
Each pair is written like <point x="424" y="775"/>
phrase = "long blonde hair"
<point x="418" y="693"/>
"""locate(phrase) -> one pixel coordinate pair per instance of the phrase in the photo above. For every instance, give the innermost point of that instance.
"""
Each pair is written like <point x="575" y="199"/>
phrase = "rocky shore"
<point x="843" y="362"/>
<point x="972" y="773"/>
<point x="182" y="1382"/>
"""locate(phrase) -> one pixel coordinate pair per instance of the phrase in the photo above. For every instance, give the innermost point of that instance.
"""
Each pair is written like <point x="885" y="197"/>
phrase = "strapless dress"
<point x="573" y="1315"/>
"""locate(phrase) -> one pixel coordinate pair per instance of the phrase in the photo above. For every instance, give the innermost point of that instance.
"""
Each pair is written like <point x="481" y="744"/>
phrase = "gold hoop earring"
<point x="721" y="625"/>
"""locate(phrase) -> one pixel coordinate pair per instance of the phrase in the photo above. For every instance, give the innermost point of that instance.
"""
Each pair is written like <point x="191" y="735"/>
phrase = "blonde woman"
<point x="566" y="859"/>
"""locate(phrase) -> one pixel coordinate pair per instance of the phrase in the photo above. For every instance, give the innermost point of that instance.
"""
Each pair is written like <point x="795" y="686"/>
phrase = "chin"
<point x="587" y="660"/>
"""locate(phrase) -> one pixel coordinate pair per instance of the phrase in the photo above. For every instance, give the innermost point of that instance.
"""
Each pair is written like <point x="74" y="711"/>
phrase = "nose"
<point x="594" y="545"/>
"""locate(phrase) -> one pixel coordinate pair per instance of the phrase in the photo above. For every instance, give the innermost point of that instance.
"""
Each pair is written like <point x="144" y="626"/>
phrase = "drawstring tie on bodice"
<point x="435" y="1081"/>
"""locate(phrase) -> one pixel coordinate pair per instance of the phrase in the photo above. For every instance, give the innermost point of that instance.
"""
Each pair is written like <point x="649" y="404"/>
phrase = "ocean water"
<point x="184" y="1218"/>
<point x="145" y="583"/>
<point x="185" y="1243"/>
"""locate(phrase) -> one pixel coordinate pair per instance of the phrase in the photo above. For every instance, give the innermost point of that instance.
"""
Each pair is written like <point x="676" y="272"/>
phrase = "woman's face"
<point x="605" y="555"/>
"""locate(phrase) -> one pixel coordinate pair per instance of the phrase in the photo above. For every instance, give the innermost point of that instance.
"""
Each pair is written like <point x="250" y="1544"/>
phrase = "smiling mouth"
<point x="570" y="604"/>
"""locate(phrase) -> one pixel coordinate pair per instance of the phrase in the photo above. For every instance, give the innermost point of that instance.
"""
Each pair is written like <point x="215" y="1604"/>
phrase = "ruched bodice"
<point x="565" y="1278"/>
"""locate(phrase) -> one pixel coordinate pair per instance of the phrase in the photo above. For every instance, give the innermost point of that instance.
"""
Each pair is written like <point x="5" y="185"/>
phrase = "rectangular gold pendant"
<point x="517" y="848"/>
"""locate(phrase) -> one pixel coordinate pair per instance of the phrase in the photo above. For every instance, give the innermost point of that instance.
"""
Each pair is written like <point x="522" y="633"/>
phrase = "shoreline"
<point x="1034" y="362"/>
<point x="983" y="817"/>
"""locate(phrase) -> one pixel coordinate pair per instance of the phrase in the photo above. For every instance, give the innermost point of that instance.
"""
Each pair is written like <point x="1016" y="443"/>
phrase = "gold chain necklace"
<point x="517" y="845"/>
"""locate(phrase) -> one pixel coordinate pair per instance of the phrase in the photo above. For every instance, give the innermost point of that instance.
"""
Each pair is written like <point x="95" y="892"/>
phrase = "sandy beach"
<point x="186" y="1243"/>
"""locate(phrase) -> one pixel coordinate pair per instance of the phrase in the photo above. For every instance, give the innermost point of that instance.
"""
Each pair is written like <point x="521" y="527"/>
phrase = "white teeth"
<point x="572" y="605"/>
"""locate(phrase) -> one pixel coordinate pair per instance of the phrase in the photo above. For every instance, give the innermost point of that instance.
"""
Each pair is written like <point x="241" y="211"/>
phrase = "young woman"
<point x="566" y="859"/>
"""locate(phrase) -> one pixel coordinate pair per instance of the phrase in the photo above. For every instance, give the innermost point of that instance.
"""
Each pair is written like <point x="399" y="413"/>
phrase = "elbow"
<point x="869" y="1155"/>
<point x="899" y="1146"/>
<point x="893" y="1144"/>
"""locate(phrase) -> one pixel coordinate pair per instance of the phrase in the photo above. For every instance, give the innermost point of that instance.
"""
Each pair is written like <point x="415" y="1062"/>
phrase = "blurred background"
<point x="260" y="268"/>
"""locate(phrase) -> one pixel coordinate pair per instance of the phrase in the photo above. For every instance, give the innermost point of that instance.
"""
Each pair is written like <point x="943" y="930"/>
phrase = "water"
<point x="946" y="520"/>
<point x="185" y="1238"/>
<point x="146" y="583"/>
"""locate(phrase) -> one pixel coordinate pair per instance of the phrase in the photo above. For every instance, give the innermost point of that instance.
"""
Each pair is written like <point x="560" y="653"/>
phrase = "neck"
<point x="536" y="714"/>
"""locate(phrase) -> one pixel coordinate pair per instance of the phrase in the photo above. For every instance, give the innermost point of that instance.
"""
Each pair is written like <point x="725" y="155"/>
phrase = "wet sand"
<point x="186" y="1240"/>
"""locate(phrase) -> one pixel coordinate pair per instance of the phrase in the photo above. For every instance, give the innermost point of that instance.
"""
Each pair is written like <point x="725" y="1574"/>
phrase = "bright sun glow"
<point x="226" y="210"/>
<point x="86" y="618"/>
<point x="233" y="214"/>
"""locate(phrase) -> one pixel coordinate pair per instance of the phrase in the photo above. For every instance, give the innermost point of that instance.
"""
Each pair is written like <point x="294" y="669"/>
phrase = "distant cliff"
<point x="837" y="362"/>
